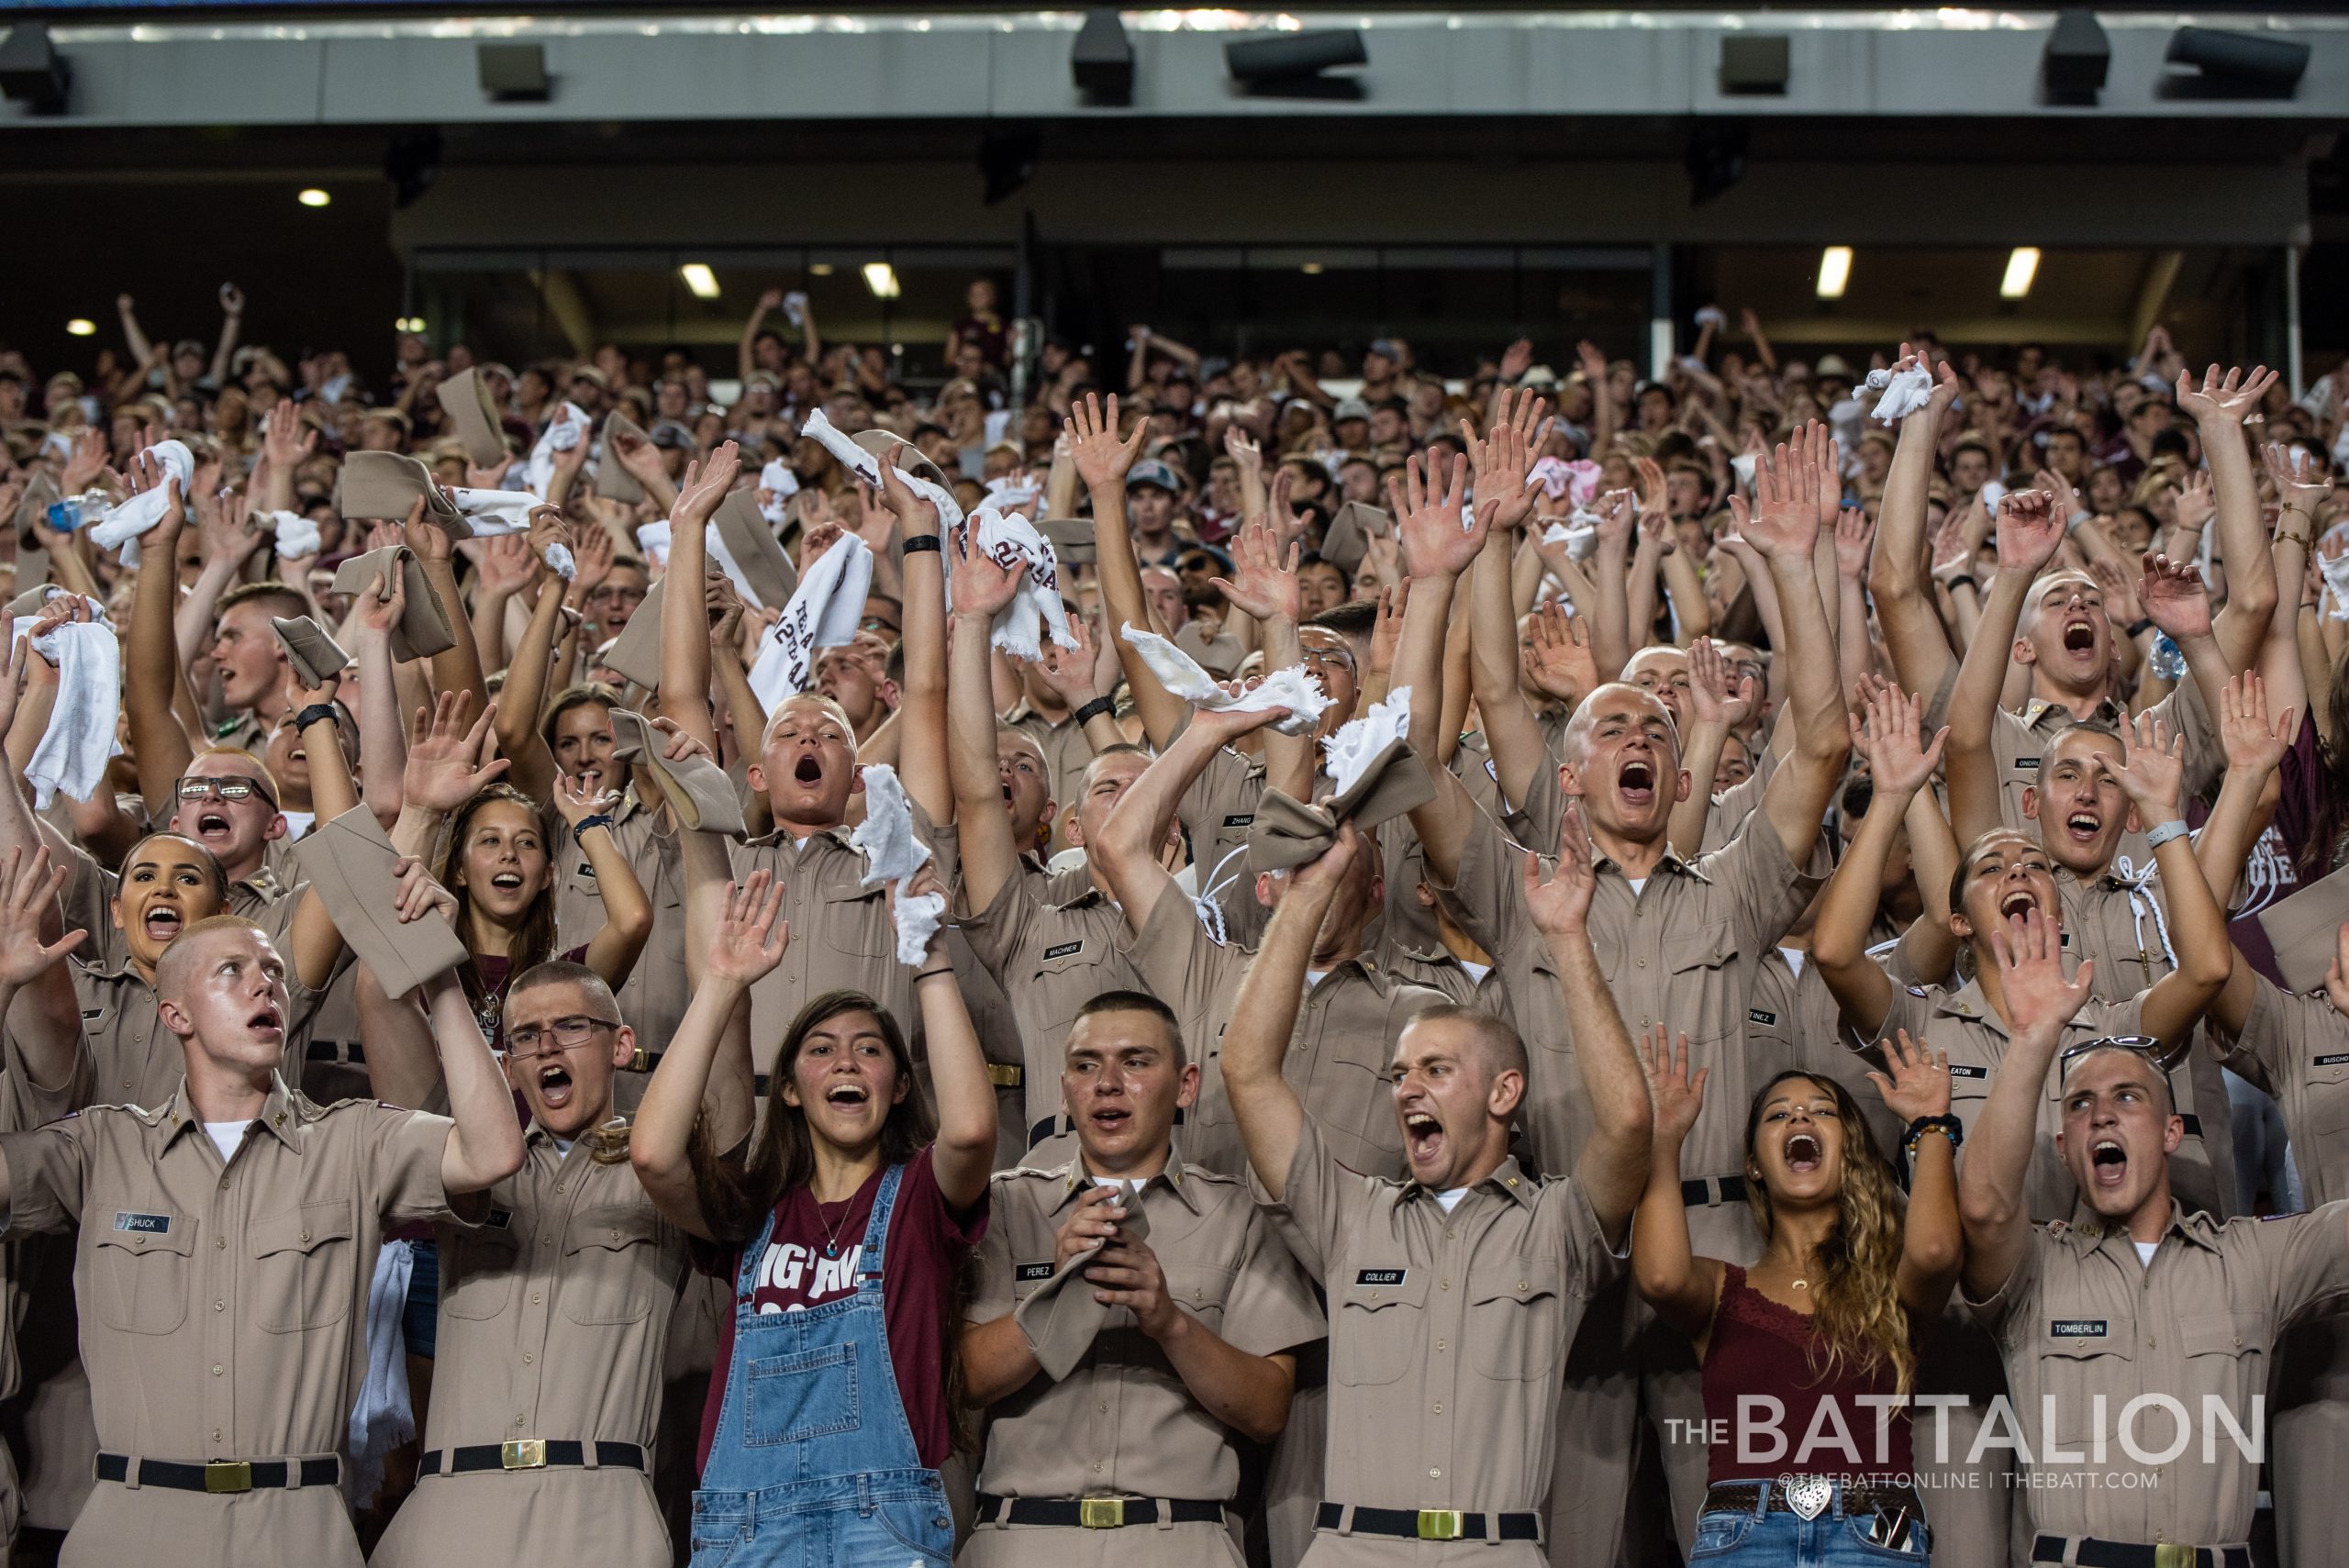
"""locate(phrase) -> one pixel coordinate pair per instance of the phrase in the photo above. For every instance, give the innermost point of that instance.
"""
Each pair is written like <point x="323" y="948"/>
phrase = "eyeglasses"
<point x="615" y="594"/>
<point x="226" y="789"/>
<point x="876" y="623"/>
<point x="1330" y="658"/>
<point x="566" y="1034"/>
<point x="2165" y="1058"/>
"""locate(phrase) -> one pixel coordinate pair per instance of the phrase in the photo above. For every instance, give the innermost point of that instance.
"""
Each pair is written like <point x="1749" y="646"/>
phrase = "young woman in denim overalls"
<point x="832" y="1404"/>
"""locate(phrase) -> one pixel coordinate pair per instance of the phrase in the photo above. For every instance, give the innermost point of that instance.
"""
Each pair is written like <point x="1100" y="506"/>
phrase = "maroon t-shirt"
<point x="928" y="1244"/>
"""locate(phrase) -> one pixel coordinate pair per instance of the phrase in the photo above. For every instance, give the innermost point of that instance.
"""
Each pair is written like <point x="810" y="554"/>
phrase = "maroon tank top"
<point x="1760" y="1349"/>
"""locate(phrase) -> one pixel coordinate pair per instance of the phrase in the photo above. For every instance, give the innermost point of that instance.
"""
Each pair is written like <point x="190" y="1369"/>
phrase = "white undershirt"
<point x="1476" y="972"/>
<point x="299" y="822"/>
<point x="1313" y="977"/>
<point x="562" y="1147"/>
<point x="2145" y="1251"/>
<point x="1451" y="1198"/>
<point x="1132" y="1184"/>
<point x="1795" y="958"/>
<point x="1637" y="884"/>
<point x="225" y="1136"/>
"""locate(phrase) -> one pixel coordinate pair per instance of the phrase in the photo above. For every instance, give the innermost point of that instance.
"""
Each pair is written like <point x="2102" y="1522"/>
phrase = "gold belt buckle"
<point x="1101" y="1513"/>
<point x="2172" y="1555"/>
<point x="523" y="1454"/>
<point x="229" y="1475"/>
<point x="1440" y="1524"/>
<point x="1003" y="1074"/>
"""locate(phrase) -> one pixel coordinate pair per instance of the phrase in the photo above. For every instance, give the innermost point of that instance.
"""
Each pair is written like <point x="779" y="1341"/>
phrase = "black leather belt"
<point x="1698" y="1191"/>
<point x="1859" y="1497"/>
<point x="532" y="1453"/>
<point x="1094" y="1513"/>
<point x="1432" y="1524"/>
<point x="351" y="1051"/>
<point x="2094" y="1553"/>
<point x="222" y="1474"/>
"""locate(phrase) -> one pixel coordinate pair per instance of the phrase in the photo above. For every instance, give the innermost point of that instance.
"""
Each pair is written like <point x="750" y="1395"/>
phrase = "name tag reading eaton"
<point x="144" y="1224"/>
<point x="1967" y="1070"/>
<point x="1028" y="1271"/>
<point x="1380" y="1276"/>
<point x="2077" y="1328"/>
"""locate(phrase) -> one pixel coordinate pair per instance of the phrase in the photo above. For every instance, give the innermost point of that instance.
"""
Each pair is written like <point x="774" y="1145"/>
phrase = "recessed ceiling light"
<point x="313" y="197"/>
<point x="2022" y="266"/>
<point x="819" y="270"/>
<point x="1834" y="271"/>
<point x="700" y="279"/>
<point x="882" y="279"/>
<point x="82" y="327"/>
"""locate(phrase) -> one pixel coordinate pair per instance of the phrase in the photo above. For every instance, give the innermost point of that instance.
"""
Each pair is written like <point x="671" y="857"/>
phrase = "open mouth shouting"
<point x="212" y="828"/>
<point x="2108" y="1163"/>
<point x="1804" y="1153"/>
<point x="2018" y="905"/>
<point x="1422" y="1138"/>
<point x="2083" y="825"/>
<point x="555" y="1085"/>
<point x="162" y="923"/>
<point x="267" y="1022"/>
<point x="809" y="771"/>
<point x="848" y="1095"/>
<point x="1636" y="784"/>
<point x="2079" y="635"/>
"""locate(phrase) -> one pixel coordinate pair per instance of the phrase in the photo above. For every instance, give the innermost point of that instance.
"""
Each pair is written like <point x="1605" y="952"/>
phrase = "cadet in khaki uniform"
<point x="2297" y="1049"/>
<point x="228" y="1238"/>
<point x="1133" y="1312"/>
<point x="1453" y="1292"/>
<point x="655" y="994"/>
<point x="1352" y="1013"/>
<point x="1678" y="941"/>
<point x="2138" y="1301"/>
<point x="554" y="1309"/>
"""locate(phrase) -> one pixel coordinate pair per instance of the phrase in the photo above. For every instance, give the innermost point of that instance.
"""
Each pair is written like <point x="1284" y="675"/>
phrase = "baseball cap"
<point x="1149" y="471"/>
<point x="1350" y="408"/>
<point x="1384" y="348"/>
<point x="672" y="436"/>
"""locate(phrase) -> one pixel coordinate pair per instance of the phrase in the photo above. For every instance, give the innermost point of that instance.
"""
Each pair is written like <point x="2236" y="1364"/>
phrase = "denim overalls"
<point x="812" y="1462"/>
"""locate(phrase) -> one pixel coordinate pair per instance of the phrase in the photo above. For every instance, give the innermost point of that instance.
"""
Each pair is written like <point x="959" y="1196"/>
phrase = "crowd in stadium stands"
<point x="1148" y="959"/>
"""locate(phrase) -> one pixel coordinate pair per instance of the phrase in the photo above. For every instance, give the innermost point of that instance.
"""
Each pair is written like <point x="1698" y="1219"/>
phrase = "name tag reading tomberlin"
<point x="144" y="1224"/>
<point x="1380" y="1276"/>
<point x="2077" y="1328"/>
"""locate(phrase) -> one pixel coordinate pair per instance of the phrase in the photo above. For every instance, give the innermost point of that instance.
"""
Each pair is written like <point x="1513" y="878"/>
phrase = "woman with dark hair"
<point x="845" y="1231"/>
<point x="1823" y="1324"/>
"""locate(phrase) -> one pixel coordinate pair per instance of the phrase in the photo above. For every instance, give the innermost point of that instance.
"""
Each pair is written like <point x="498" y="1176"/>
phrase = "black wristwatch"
<point x="315" y="712"/>
<point x="1105" y="707"/>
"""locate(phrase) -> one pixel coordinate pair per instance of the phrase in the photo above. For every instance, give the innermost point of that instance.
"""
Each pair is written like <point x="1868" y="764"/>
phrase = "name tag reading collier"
<point x="1381" y="1277"/>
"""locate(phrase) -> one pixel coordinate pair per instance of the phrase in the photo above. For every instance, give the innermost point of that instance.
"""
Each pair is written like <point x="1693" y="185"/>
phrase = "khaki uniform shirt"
<point x="224" y="1306"/>
<point x="1124" y="1424"/>
<point x="1216" y="813"/>
<point x="1051" y="959"/>
<point x="656" y="995"/>
<point x="1338" y="1053"/>
<point x="554" y="1314"/>
<point x="2297" y="1049"/>
<point x="244" y="732"/>
<point x="1068" y="754"/>
<point x="2019" y="738"/>
<point x="1447" y="1331"/>
<point x="2081" y="1324"/>
<point x="135" y="1060"/>
<point x="1794" y="1025"/>
<point x="1684" y="949"/>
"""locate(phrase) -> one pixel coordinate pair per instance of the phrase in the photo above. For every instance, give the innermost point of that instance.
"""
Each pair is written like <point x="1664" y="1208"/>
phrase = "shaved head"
<point x="1498" y="1045"/>
<point x="180" y="958"/>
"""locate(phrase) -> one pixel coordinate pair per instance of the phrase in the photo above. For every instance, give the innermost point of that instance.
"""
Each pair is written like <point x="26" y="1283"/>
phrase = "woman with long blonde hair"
<point x="1808" y="1351"/>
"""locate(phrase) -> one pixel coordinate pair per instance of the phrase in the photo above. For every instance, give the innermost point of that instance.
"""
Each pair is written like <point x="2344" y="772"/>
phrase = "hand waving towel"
<point x="823" y="613"/>
<point x="1010" y="540"/>
<point x="1289" y="687"/>
<point x="124" y="524"/>
<point x="75" y="750"/>
<point x="893" y="853"/>
<point x="564" y="431"/>
<point x="867" y="467"/>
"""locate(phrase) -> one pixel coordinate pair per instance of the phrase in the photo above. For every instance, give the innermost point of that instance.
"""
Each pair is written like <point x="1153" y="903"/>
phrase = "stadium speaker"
<point x="1754" y="65"/>
<point x="1102" y="60"/>
<point x="1290" y="64"/>
<point x="2237" y="65"/>
<point x="513" y="73"/>
<point x="2077" y="57"/>
<point x="31" y="70"/>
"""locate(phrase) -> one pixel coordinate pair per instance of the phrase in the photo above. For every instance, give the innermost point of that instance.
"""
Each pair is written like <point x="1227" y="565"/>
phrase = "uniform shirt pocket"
<point x="1516" y="1320"/>
<point x="2226" y="1358"/>
<point x="1376" y="1329"/>
<point x="477" y="1268"/>
<point x="139" y="1274"/>
<point x="302" y="1266"/>
<point x="611" y="1263"/>
<point x="850" y="922"/>
<point x="2074" y="1369"/>
<point x="1201" y="1290"/>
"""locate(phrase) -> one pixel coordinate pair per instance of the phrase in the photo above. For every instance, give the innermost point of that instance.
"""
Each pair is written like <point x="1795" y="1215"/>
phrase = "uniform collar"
<point x="1507" y="1178"/>
<point x="838" y="834"/>
<point x="277" y="1116"/>
<point x="1023" y="710"/>
<point x="1073" y="1180"/>
<point x="1671" y="863"/>
<point x="1968" y="1002"/>
<point x="262" y="884"/>
<point x="2108" y="712"/>
<point x="2198" y="1229"/>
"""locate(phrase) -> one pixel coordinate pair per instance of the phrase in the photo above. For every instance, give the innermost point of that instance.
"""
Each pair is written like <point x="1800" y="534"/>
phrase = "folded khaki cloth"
<point x="465" y="397"/>
<point x="1287" y="832"/>
<point x="698" y="790"/>
<point x="40" y="495"/>
<point x="2304" y="929"/>
<point x="423" y="627"/>
<point x="314" y="654"/>
<point x="1351" y="531"/>
<point x="385" y="485"/>
<point x="898" y="452"/>
<point x="348" y="861"/>
<point x="636" y="651"/>
<point x="1062" y="1319"/>
<point x="743" y="545"/>
<point x="33" y="600"/>
<point x="1072" y="540"/>
<point x="1219" y="656"/>
<point x="613" y="481"/>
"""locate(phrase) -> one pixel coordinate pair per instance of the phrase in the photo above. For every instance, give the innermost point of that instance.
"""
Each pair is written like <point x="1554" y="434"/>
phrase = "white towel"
<point x="867" y="467"/>
<point x="653" y="539"/>
<point x="496" y="512"/>
<point x="382" y="1418"/>
<point x="1011" y="541"/>
<point x="823" y="613"/>
<point x="1579" y="533"/>
<point x="1903" y="394"/>
<point x="297" y="535"/>
<point x="893" y="853"/>
<point x="2336" y="578"/>
<point x="564" y="431"/>
<point x="80" y="739"/>
<point x="1349" y="752"/>
<point x="1289" y="687"/>
<point x="1014" y="494"/>
<point x="560" y="561"/>
<point x="123" y="525"/>
<point x="778" y="477"/>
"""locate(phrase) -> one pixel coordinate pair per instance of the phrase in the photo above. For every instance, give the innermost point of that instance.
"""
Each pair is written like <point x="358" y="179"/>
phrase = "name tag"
<point x="2029" y="764"/>
<point x="1066" y="949"/>
<point x="588" y="870"/>
<point x="499" y="1219"/>
<point x="2336" y="1059"/>
<point x="1240" y="820"/>
<point x="2077" y="1328"/>
<point x="1029" y="1273"/>
<point x="1964" y="1070"/>
<point x="90" y="1012"/>
<point x="1380" y="1276"/>
<point x="1757" y="1016"/>
<point x="144" y="1224"/>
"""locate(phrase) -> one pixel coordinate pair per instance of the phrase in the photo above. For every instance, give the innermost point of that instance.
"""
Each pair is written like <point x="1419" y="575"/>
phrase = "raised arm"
<point x="1102" y="461"/>
<point x="1436" y="550"/>
<point x="958" y="1068"/>
<point x="745" y="352"/>
<point x="1610" y="607"/>
<point x="1503" y="459"/>
<point x="43" y="1015"/>
<point x="2254" y="749"/>
<point x="2149" y="774"/>
<point x="1897" y="578"/>
<point x="1682" y="1286"/>
<point x="524" y="695"/>
<point x="1901" y="766"/>
<point x="485" y="1146"/>
<point x="1126" y="853"/>
<point x="982" y="587"/>
<point x="684" y="617"/>
<point x="1718" y="700"/>
<point x="2219" y="407"/>
<point x="2005" y="1136"/>
<point x="459" y="668"/>
<point x="920" y="719"/>
<point x="1915" y="1085"/>
<point x="151" y="665"/>
<point x="2030" y="532"/>
<point x="612" y="951"/>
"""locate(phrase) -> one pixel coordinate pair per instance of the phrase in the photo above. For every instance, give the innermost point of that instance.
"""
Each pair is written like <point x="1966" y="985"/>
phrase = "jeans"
<point x="420" y="1323"/>
<point x="1781" y="1539"/>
